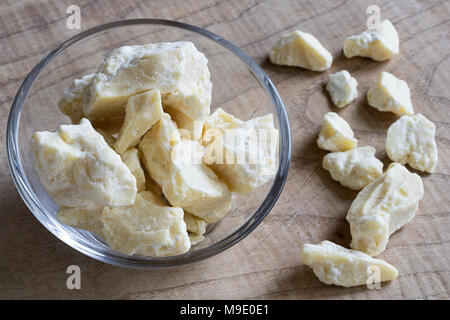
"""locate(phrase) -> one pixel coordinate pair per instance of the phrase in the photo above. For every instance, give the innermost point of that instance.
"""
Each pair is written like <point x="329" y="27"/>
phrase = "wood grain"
<point x="312" y="207"/>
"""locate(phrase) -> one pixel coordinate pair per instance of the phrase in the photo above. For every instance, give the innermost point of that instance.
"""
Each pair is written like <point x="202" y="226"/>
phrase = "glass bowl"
<point x="240" y="86"/>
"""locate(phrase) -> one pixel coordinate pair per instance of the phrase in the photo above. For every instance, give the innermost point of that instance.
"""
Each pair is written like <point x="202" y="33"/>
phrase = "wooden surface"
<point x="312" y="206"/>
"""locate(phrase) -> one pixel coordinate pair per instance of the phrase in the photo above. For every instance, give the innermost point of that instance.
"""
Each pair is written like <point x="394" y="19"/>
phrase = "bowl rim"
<point x="116" y="258"/>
